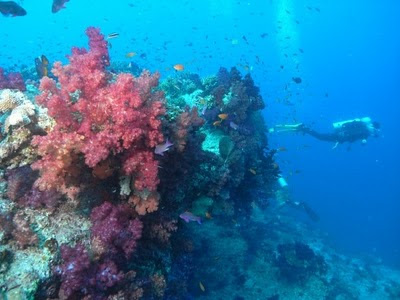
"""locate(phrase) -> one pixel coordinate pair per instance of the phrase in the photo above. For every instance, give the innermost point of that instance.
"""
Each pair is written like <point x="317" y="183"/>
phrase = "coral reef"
<point x="12" y="80"/>
<point x="21" y="109"/>
<point x="297" y="262"/>
<point x="20" y="120"/>
<point x="96" y="118"/>
<point x="114" y="229"/>
<point x="95" y="197"/>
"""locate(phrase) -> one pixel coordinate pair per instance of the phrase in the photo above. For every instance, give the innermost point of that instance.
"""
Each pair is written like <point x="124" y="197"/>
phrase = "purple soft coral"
<point x="116" y="228"/>
<point x="74" y="271"/>
<point x="80" y="276"/>
<point x="12" y="80"/>
<point x="38" y="199"/>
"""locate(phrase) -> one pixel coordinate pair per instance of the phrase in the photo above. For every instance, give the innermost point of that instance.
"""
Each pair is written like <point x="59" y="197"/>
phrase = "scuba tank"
<point x="366" y="120"/>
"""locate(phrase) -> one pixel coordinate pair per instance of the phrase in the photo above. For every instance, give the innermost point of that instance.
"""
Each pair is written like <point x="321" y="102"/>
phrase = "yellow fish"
<point x="217" y="123"/>
<point x="130" y="54"/>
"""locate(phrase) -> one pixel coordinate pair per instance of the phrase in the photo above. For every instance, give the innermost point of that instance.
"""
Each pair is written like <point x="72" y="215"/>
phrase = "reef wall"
<point x="101" y="171"/>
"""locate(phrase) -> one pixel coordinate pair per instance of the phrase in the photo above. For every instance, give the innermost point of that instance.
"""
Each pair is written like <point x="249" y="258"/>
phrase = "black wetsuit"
<point x="348" y="132"/>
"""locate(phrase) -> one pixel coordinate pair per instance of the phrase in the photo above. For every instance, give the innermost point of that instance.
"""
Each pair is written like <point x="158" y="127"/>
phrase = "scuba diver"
<point x="282" y="196"/>
<point x="344" y="132"/>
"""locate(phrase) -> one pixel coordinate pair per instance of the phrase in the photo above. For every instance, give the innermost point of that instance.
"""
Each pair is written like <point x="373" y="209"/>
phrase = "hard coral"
<point x="96" y="118"/>
<point x="19" y="108"/>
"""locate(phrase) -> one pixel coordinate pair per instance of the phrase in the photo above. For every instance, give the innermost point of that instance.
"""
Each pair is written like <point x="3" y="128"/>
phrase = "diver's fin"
<point x="286" y="127"/>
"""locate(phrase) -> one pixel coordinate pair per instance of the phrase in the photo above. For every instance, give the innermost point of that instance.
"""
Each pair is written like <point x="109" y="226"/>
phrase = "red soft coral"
<point x="187" y="120"/>
<point x="97" y="119"/>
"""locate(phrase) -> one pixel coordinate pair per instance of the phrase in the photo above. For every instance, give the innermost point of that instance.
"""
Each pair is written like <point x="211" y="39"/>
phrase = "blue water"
<point x="350" y="53"/>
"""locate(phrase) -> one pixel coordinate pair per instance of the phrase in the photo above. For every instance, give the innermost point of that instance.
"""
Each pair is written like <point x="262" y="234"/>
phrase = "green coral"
<point x="227" y="98"/>
<point x="212" y="140"/>
<point x="192" y="99"/>
<point x="210" y="83"/>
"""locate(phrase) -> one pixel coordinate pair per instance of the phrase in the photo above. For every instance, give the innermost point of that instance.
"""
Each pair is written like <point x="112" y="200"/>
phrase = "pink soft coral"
<point x="96" y="119"/>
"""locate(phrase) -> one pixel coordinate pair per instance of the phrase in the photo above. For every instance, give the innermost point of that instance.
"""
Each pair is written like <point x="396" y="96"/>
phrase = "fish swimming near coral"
<point x="187" y="216"/>
<point x="58" y="5"/>
<point x="160" y="149"/>
<point x="223" y="116"/>
<point x="217" y="123"/>
<point x="130" y="54"/>
<point x="252" y="171"/>
<point x="233" y="125"/>
<point x="11" y="9"/>
<point x="179" y="67"/>
<point x="112" y="35"/>
<point x="201" y="286"/>
<point x="41" y="65"/>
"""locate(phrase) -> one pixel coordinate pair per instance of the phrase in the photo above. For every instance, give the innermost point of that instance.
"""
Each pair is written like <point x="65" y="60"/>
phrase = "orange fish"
<point x="202" y="288"/>
<point x="130" y="54"/>
<point x="208" y="215"/>
<point x="252" y="171"/>
<point x="223" y="116"/>
<point x="217" y="123"/>
<point x="179" y="67"/>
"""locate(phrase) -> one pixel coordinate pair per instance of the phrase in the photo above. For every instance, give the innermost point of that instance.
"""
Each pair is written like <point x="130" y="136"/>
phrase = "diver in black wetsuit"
<point x="344" y="132"/>
<point x="282" y="196"/>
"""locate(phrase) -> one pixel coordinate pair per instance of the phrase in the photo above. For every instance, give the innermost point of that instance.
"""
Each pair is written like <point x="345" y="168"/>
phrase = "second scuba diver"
<point x="350" y="131"/>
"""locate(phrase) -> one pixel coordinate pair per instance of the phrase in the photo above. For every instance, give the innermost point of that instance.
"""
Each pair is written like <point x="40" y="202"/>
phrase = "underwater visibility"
<point x="194" y="149"/>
